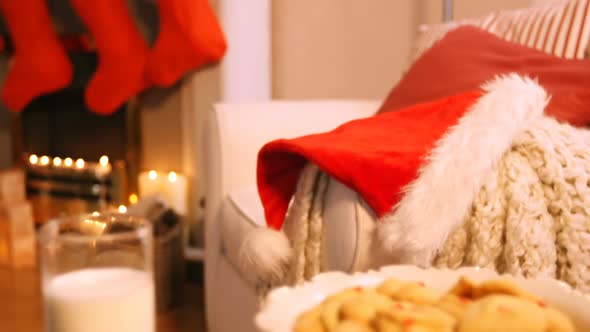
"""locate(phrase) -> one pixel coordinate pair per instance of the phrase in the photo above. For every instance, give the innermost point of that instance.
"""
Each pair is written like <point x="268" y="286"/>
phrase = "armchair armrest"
<point x="236" y="131"/>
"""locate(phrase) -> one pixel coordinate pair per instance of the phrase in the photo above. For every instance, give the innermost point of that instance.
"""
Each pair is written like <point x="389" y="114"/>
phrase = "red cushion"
<point x="467" y="57"/>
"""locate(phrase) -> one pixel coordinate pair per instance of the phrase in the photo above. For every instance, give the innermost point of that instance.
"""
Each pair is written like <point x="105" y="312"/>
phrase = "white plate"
<point x="284" y="304"/>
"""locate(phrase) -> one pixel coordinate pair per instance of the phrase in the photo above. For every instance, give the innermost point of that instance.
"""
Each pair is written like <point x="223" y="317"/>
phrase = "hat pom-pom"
<point x="266" y="252"/>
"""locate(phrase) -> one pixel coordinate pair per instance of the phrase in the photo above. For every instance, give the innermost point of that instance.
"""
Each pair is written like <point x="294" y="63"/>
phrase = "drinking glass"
<point x="97" y="274"/>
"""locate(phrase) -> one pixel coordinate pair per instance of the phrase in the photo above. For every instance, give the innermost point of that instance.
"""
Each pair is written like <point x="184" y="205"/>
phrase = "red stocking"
<point x="40" y="63"/>
<point x="189" y="37"/>
<point x="122" y="53"/>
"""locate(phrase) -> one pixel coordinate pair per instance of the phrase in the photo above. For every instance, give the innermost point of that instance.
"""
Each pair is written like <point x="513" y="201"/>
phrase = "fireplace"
<point x="76" y="161"/>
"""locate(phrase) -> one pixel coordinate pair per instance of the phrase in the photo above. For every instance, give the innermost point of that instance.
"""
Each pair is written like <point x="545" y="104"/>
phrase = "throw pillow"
<point x="467" y="57"/>
<point x="561" y="28"/>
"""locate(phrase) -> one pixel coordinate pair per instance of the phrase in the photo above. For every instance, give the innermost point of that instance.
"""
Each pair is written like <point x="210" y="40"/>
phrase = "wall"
<point x="161" y="129"/>
<point x="339" y="48"/>
<point x="350" y="48"/>
<point x="471" y="8"/>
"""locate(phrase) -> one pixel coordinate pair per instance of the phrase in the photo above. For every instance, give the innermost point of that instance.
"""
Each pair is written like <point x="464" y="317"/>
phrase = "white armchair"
<point x="234" y="134"/>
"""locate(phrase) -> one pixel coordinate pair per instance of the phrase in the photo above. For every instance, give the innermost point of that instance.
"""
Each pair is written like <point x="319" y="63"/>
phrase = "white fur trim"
<point x="439" y="199"/>
<point x="266" y="252"/>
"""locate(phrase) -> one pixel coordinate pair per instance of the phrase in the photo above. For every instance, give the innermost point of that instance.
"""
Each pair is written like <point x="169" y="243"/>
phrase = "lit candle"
<point x="104" y="161"/>
<point x="57" y="161"/>
<point x="103" y="166"/>
<point x="149" y="183"/>
<point x="44" y="160"/>
<point x="33" y="159"/>
<point x="122" y="209"/>
<point x="68" y="162"/>
<point x="172" y="177"/>
<point x="133" y="199"/>
<point x="80" y="163"/>
<point x="175" y="190"/>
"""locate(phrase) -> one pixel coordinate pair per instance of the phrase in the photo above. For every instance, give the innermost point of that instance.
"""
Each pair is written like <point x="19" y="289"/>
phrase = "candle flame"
<point x="104" y="161"/>
<point x="80" y="163"/>
<point x="33" y="159"/>
<point x="133" y="199"/>
<point x="152" y="175"/>
<point x="68" y="162"/>
<point x="122" y="209"/>
<point x="44" y="160"/>
<point x="57" y="161"/>
<point x="172" y="177"/>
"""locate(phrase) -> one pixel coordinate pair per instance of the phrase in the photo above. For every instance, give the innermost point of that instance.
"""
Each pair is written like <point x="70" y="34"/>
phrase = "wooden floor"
<point x="21" y="305"/>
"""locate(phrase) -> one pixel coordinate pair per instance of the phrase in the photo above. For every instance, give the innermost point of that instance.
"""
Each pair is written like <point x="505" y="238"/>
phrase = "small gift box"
<point x="17" y="235"/>
<point x="12" y="186"/>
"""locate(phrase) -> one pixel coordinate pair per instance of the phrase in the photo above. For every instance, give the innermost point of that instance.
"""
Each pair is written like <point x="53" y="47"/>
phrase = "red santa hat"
<point x="418" y="168"/>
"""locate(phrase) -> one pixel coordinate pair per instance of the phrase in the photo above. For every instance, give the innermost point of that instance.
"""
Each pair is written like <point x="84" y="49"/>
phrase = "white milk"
<point x="100" y="300"/>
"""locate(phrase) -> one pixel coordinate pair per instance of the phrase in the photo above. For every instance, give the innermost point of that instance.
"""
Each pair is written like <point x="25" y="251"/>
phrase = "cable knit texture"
<point x="533" y="216"/>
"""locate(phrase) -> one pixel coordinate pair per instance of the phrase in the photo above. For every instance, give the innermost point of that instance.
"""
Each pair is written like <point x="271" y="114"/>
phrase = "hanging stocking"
<point x="40" y="64"/>
<point x="122" y="53"/>
<point x="189" y="38"/>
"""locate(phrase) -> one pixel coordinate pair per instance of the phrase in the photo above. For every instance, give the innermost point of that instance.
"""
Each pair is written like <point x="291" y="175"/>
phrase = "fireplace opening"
<point x="76" y="161"/>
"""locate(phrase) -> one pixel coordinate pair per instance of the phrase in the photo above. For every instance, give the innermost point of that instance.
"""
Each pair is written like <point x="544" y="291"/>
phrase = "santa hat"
<point x="418" y="168"/>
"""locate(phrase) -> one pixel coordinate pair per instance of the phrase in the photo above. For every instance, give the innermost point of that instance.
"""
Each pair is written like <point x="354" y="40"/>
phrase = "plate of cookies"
<point x="405" y="298"/>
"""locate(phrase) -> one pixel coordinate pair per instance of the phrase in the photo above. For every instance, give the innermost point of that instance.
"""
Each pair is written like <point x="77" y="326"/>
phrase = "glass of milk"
<point x="97" y="274"/>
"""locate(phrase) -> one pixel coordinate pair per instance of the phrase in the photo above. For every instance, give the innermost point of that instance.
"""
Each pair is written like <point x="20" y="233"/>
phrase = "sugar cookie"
<point x="403" y="306"/>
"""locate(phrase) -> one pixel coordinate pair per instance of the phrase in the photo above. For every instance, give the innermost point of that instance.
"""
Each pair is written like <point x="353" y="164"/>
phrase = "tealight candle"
<point x="104" y="167"/>
<point x="80" y="163"/>
<point x="104" y="161"/>
<point x="172" y="177"/>
<point x="33" y="159"/>
<point x="174" y="190"/>
<point x="133" y="199"/>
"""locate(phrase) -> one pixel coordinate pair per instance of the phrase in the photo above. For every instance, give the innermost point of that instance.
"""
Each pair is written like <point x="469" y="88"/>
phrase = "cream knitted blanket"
<point x="531" y="217"/>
